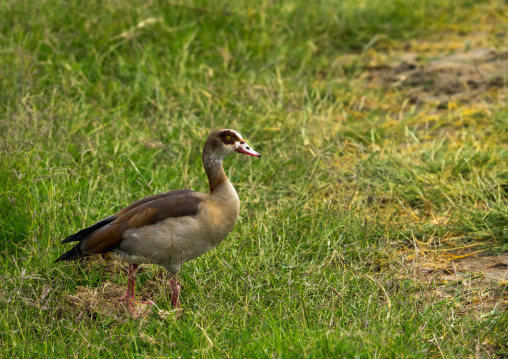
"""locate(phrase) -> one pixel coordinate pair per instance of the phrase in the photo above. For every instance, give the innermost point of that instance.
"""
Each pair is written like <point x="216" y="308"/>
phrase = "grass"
<point x="105" y="102"/>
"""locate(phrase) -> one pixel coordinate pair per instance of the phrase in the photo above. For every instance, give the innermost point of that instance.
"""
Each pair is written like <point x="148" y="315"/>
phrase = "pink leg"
<point x="129" y="296"/>
<point x="175" y="292"/>
<point x="131" y="284"/>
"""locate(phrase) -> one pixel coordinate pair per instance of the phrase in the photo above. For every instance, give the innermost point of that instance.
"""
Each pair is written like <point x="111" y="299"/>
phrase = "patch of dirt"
<point x="461" y="262"/>
<point x="478" y="278"/>
<point x="462" y="76"/>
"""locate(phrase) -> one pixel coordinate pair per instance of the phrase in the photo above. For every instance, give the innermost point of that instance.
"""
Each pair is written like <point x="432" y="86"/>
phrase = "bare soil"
<point x="475" y="279"/>
<point x="465" y="74"/>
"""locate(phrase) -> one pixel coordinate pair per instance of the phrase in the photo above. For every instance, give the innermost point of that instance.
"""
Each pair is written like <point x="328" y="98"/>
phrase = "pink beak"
<point x="246" y="149"/>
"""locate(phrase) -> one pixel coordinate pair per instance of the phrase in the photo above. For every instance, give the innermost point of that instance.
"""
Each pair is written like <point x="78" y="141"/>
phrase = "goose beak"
<point x="246" y="149"/>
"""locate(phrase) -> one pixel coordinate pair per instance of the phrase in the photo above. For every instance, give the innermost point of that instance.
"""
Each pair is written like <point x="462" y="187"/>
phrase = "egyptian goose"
<point x="172" y="228"/>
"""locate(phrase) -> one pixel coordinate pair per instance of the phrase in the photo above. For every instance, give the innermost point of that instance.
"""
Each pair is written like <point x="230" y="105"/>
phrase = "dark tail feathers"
<point x="79" y="236"/>
<point x="73" y="254"/>
<point x="76" y="253"/>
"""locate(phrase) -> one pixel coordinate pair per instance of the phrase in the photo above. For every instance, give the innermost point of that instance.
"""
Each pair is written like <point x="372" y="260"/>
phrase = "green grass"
<point x="105" y="102"/>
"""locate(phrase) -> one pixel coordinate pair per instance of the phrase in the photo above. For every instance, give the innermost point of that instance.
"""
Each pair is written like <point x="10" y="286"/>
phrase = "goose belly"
<point x="173" y="241"/>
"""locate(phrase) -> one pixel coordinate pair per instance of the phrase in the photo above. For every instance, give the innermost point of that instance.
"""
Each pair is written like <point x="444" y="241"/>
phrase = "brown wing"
<point x="82" y="234"/>
<point x="150" y="212"/>
<point x="178" y="192"/>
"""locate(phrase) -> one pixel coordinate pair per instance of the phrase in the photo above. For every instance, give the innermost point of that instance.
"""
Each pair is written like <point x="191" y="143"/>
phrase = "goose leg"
<point x="133" y="268"/>
<point x="175" y="292"/>
<point x="129" y="296"/>
<point x="131" y="286"/>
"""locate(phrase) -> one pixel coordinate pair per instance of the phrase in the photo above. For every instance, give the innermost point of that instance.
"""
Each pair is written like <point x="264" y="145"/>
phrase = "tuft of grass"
<point x="105" y="102"/>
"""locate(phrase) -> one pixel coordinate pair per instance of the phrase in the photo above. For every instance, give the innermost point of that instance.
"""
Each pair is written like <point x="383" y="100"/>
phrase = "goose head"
<point x="226" y="142"/>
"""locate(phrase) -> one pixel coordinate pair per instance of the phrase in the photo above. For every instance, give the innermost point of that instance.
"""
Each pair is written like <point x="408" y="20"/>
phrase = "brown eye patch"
<point x="228" y="137"/>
